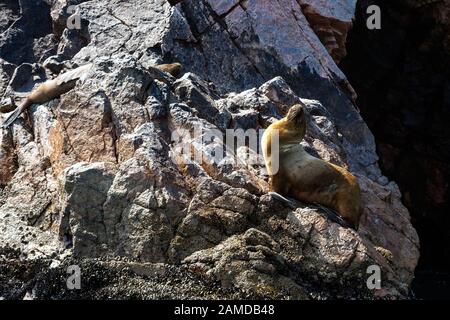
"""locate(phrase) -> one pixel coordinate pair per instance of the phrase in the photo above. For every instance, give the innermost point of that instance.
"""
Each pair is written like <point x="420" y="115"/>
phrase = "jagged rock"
<point x="212" y="217"/>
<point x="81" y="136"/>
<point x="28" y="211"/>
<point x="25" y="77"/>
<point x="85" y="192"/>
<point x="6" y="71"/>
<point x="384" y="210"/>
<point x="196" y="94"/>
<point x="9" y="12"/>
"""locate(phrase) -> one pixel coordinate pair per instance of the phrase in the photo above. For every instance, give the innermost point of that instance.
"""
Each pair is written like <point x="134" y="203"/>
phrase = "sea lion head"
<point x="296" y="118"/>
<point x="173" y="68"/>
<point x="295" y="113"/>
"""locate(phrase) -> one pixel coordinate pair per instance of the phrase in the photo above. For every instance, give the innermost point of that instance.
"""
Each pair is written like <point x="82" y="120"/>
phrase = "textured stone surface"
<point x="331" y="21"/>
<point x="97" y="174"/>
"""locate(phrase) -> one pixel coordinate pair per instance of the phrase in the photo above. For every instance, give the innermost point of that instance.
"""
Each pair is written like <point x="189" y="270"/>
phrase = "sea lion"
<point x="171" y="68"/>
<point x="65" y="82"/>
<point x="48" y="90"/>
<point x="304" y="177"/>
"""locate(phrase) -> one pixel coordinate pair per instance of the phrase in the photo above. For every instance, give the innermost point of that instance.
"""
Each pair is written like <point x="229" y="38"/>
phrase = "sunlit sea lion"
<point x="304" y="177"/>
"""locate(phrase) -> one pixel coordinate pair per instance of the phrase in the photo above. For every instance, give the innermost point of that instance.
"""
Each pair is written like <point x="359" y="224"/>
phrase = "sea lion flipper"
<point x="75" y="74"/>
<point x="333" y="216"/>
<point x="279" y="197"/>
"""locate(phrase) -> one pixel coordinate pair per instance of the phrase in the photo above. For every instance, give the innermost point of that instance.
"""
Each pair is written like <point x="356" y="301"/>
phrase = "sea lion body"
<point x="304" y="177"/>
<point x="173" y="69"/>
<point x="47" y="91"/>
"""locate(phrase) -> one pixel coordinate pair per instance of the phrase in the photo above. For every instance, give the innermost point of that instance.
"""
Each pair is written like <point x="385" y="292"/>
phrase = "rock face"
<point x="98" y="175"/>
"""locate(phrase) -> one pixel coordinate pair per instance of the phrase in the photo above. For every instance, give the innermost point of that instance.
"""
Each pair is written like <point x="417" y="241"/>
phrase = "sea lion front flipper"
<point x="294" y="204"/>
<point x="334" y="216"/>
<point x="75" y="74"/>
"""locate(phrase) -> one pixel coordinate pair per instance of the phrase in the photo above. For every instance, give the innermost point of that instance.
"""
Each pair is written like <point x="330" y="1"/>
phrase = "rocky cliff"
<point x="96" y="179"/>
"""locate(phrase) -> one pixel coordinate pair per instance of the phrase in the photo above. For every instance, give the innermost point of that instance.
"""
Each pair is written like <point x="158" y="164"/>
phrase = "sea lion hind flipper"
<point x="279" y="197"/>
<point x="12" y="117"/>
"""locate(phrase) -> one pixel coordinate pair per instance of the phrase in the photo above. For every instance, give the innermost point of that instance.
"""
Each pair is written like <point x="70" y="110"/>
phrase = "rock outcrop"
<point x="97" y="177"/>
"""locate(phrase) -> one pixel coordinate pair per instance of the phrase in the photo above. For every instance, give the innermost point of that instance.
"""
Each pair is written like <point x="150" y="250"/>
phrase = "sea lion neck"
<point x="296" y="128"/>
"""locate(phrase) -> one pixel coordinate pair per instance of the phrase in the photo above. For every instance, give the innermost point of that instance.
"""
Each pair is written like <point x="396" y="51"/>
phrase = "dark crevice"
<point x="402" y="76"/>
<point x="174" y="2"/>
